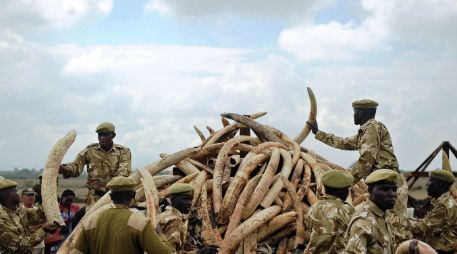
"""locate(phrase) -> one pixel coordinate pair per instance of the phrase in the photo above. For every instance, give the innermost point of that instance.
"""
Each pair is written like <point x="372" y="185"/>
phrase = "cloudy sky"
<point x="156" y="68"/>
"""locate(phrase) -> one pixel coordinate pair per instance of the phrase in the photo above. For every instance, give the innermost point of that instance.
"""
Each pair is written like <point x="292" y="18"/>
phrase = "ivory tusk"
<point x="311" y="118"/>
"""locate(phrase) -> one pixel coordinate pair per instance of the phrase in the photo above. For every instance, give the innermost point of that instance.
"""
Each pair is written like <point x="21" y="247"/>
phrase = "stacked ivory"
<point x="250" y="192"/>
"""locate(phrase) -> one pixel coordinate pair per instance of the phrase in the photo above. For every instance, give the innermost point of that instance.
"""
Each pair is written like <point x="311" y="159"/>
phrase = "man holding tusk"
<point x="105" y="160"/>
<point x="15" y="233"/>
<point x="376" y="151"/>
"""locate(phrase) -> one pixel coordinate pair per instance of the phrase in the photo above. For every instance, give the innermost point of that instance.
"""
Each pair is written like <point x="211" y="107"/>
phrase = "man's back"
<point x="118" y="230"/>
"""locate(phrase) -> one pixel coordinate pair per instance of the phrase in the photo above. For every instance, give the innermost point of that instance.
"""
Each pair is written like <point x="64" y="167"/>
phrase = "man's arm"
<point x="125" y="163"/>
<point x="349" y="143"/>
<point x="12" y="242"/>
<point x="80" y="245"/>
<point x="357" y="238"/>
<point x="75" y="168"/>
<point x="153" y="243"/>
<point x="369" y="149"/>
<point x="434" y="221"/>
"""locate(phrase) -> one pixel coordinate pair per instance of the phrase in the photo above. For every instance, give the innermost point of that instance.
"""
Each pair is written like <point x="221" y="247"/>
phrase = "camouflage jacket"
<point x="373" y="143"/>
<point x="101" y="164"/>
<point x="184" y="237"/>
<point x="15" y="235"/>
<point x="328" y="220"/>
<point x="439" y="226"/>
<point x="118" y="230"/>
<point x="368" y="232"/>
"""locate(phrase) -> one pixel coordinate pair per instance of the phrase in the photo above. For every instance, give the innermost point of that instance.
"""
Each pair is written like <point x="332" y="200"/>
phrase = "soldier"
<point x="118" y="229"/>
<point x="35" y="216"/>
<point x="104" y="161"/>
<point x="376" y="152"/>
<point x="174" y="222"/>
<point x="369" y="232"/>
<point x="15" y="234"/>
<point x="439" y="226"/>
<point x="28" y="198"/>
<point x="330" y="216"/>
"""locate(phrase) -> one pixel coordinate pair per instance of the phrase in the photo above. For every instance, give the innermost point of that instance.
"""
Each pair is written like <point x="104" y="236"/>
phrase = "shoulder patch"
<point x="137" y="221"/>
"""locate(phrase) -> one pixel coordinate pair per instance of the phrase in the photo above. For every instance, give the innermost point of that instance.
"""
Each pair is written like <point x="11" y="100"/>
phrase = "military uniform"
<point x="100" y="164"/>
<point x="369" y="231"/>
<point x="118" y="229"/>
<point x="439" y="226"/>
<point x="374" y="144"/>
<point x="328" y="220"/>
<point x="15" y="235"/>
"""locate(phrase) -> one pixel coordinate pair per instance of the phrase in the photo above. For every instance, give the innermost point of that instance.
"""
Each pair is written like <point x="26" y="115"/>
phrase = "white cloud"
<point x="259" y="8"/>
<point x="23" y="15"/>
<point x="415" y="23"/>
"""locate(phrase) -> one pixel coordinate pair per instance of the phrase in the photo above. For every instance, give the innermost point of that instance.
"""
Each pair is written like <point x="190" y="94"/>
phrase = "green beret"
<point x="337" y="179"/>
<point x="387" y="175"/>
<point x="105" y="127"/>
<point x="121" y="183"/>
<point x="181" y="189"/>
<point x="365" y="103"/>
<point x="442" y="175"/>
<point x="6" y="183"/>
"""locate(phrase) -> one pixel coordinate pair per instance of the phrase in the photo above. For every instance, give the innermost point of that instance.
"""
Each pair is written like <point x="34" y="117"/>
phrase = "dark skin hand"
<point x="384" y="194"/>
<point x="100" y="182"/>
<point x="314" y="126"/>
<point x="51" y="228"/>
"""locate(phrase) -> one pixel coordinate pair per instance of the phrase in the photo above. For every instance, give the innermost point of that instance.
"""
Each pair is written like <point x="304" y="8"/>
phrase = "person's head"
<point x="181" y="195"/>
<point x="364" y="110"/>
<point x="382" y="188"/>
<point x="414" y="247"/>
<point x="106" y="133"/>
<point x="439" y="183"/>
<point x="66" y="199"/>
<point x="337" y="183"/>
<point x="122" y="190"/>
<point x="28" y="197"/>
<point x="8" y="194"/>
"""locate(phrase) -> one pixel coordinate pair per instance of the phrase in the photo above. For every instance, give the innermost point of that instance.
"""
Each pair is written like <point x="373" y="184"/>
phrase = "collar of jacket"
<point x="375" y="209"/>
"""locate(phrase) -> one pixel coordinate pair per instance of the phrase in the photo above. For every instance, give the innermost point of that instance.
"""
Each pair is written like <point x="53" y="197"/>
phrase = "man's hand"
<point x="100" y="183"/>
<point x="51" y="228"/>
<point x="209" y="249"/>
<point x="314" y="126"/>
<point x="65" y="171"/>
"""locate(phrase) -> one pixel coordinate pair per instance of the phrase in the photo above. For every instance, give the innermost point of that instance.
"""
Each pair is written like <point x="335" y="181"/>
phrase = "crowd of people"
<point x="379" y="225"/>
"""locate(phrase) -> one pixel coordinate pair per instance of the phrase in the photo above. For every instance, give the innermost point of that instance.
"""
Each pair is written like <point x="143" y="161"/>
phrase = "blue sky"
<point x="156" y="68"/>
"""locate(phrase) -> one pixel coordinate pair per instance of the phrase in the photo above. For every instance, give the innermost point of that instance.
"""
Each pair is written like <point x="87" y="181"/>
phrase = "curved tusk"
<point x="311" y="118"/>
<point x="50" y="173"/>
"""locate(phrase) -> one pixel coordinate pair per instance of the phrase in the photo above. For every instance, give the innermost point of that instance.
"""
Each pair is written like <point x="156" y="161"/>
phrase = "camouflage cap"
<point x="121" y="183"/>
<point x="442" y="175"/>
<point x="337" y="179"/>
<point x="6" y="183"/>
<point x="387" y="175"/>
<point x="181" y="189"/>
<point x="365" y="103"/>
<point x="28" y="191"/>
<point x="105" y="127"/>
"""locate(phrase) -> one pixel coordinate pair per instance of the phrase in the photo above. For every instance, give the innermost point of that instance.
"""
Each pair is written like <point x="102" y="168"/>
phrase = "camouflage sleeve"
<point x="11" y="242"/>
<point x="369" y="149"/>
<point x="432" y="223"/>
<point x="349" y="143"/>
<point x="125" y="163"/>
<point x="77" y="166"/>
<point x="357" y="237"/>
<point x="35" y="215"/>
<point x="151" y="242"/>
<point x="172" y="227"/>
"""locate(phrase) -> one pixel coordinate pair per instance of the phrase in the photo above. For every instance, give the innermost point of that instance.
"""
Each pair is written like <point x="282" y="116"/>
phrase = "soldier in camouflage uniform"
<point x="329" y="217"/>
<point x="376" y="151"/>
<point x="118" y="229"/>
<point x="369" y="232"/>
<point x="184" y="237"/>
<point x="15" y="234"/>
<point x="439" y="226"/>
<point x="104" y="161"/>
